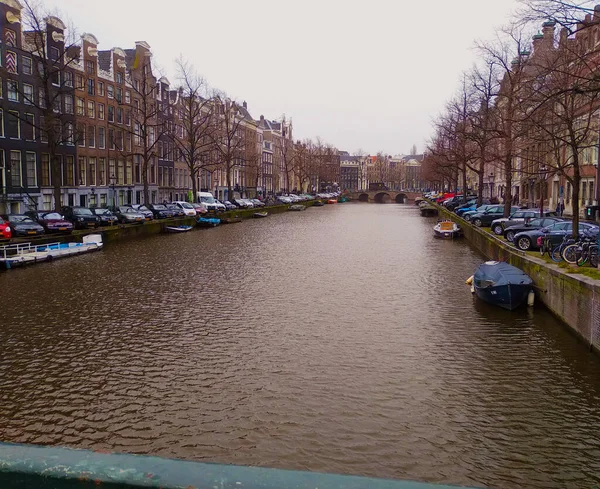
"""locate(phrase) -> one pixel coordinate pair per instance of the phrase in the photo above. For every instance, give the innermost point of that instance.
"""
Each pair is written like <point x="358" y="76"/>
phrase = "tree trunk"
<point x="508" y="191"/>
<point x="56" y="182"/>
<point x="464" y="199"/>
<point x="229" y="186"/>
<point x="480" y="186"/>
<point x="194" y="184"/>
<point x="145" y="181"/>
<point x="576" y="185"/>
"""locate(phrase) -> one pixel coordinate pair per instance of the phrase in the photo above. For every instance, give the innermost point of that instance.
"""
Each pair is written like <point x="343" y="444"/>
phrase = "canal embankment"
<point x="573" y="298"/>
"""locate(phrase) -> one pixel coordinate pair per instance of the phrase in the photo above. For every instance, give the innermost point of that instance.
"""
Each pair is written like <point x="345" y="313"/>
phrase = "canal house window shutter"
<point x="10" y="38"/>
<point x="11" y="62"/>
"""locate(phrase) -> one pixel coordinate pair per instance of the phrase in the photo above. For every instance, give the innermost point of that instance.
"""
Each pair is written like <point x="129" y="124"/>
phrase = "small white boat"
<point x="177" y="229"/>
<point x="447" y="230"/>
<point x="27" y="253"/>
<point x="296" y="207"/>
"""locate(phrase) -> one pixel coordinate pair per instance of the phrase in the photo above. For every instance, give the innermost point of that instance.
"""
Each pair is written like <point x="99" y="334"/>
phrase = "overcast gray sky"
<point x="360" y="74"/>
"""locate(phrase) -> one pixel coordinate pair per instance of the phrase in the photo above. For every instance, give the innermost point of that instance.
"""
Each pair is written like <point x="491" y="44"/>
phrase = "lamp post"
<point x="543" y="174"/>
<point x="112" y="182"/>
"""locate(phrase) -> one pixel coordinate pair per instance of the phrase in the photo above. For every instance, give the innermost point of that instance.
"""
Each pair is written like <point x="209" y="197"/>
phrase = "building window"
<point x="55" y="78"/>
<point x="119" y="77"/>
<point x="45" y="170"/>
<point x="68" y="104"/>
<point x="92" y="171"/>
<point x="68" y="78"/>
<point x="29" y="128"/>
<point x="101" y="112"/>
<point x="1" y="123"/>
<point x="91" y="109"/>
<point x="42" y="98"/>
<point x="127" y="97"/>
<point x="80" y="106"/>
<point x="69" y="134"/>
<point x="101" y="137"/>
<point x="91" y="135"/>
<point x="13" y="90"/>
<point x="82" y="170"/>
<point x="121" y="172"/>
<point x="119" y="95"/>
<point x="54" y="53"/>
<point x="128" y="117"/>
<point x="56" y="104"/>
<point x="43" y="132"/>
<point x="81" y="135"/>
<point x="31" y="170"/>
<point x="102" y="170"/>
<point x="15" y="168"/>
<point x="70" y="171"/>
<point x="90" y="67"/>
<point x="111" y="113"/>
<point x="28" y="96"/>
<point x="112" y="169"/>
<point x="27" y="65"/>
<point x="79" y="85"/>
<point x="128" y="173"/>
<point x="91" y="87"/>
<point x="110" y="90"/>
<point x="10" y="62"/>
<point x="119" y="115"/>
<point x="13" y="125"/>
<point x="101" y="88"/>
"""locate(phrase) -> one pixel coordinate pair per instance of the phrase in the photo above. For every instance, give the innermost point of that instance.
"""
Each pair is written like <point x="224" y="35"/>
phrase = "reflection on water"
<point x="339" y="339"/>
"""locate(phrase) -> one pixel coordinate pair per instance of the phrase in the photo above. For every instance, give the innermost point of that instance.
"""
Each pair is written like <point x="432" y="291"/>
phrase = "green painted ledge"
<point x="29" y="466"/>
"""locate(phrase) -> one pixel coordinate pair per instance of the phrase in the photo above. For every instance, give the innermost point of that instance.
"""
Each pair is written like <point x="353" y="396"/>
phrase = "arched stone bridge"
<point x="385" y="196"/>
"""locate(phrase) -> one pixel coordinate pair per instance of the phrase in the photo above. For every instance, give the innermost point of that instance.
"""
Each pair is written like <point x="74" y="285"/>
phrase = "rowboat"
<point x="230" y="220"/>
<point x="296" y="207"/>
<point x="177" y="229"/>
<point x="502" y="284"/>
<point x="208" y="222"/>
<point x="258" y="215"/>
<point x="318" y="203"/>
<point x="332" y="201"/>
<point x="28" y="254"/>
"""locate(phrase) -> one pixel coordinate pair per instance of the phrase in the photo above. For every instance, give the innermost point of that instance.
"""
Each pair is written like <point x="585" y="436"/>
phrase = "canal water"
<point x="340" y="339"/>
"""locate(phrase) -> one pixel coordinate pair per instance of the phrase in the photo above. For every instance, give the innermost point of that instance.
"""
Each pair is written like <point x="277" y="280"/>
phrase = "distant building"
<point x="350" y="172"/>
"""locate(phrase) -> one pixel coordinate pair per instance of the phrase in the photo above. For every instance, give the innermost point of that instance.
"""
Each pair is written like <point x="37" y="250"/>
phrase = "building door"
<point x="82" y="200"/>
<point x="71" y="199"/>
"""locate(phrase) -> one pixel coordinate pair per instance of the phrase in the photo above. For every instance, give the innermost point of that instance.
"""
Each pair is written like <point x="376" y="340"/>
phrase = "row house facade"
<point x="25" y="166"/>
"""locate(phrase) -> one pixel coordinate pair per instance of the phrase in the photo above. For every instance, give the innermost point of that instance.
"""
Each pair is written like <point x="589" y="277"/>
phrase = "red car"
<point x="5" y="231"/>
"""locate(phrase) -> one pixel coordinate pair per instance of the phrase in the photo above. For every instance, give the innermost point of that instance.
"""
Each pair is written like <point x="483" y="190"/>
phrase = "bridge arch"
<point x="382" y="198"/>
<point x="401" y="198"/>
<point x="363" y="198"/>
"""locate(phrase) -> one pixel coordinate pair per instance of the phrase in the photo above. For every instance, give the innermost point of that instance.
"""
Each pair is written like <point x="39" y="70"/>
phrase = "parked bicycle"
<point x="583" y="250"/>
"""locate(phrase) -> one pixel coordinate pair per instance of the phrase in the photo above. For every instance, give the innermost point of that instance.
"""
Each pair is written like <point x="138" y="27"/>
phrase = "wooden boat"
<point x="27" y="253"/>
<point x="342" y="199"/>
<point x="258" y="215"/>
<point x="502" y="284"/>
<point x="208" y="222"/>
<point x="428" y="211"/>
<point x="318" y="203"/>
<point x="447" y="230"/>
<point x="177" y="229"/>
<point x="296" y="207"/>
<point x="230" y="220"/>
<point x="332" y="201"/>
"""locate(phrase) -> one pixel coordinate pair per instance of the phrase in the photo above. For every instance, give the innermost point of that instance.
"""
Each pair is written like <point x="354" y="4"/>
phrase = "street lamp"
<point x="112" y="182"/>
<point x="544" y="174"/>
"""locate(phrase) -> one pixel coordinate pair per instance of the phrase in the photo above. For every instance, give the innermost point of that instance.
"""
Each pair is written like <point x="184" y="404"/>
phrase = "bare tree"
<point x="193" y="136"/>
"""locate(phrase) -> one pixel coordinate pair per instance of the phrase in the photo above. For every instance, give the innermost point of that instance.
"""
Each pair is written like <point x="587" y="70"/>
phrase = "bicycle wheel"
<point x="593" y="253"/>
<point x="555" y="254"/>
<point x="582" y="257"/>
<point x="571" y="253"/>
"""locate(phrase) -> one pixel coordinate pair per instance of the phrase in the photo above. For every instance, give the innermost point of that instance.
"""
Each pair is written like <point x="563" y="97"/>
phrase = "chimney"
<point x="564" y="34"/>
<point x="262" y="117"/>
<point x="597" y="13"/>
<point x="245" y="105"/>
<point x="548" y="33"/>
<point x="537" y="42"/>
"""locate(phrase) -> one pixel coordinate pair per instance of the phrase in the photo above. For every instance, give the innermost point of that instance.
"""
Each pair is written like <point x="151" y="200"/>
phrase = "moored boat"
<point x="260" y="214"/>
<point x="447" y="230"/>
<point x="331" y="201"/>
<point x="502" y="284"/>
<point x="230" y="220"/>
<point x="27" y="253"/>
<point x="318" y="203"/>
<point x="208" y="222"/>
<point x="428" y="211"/>
<point x="296" y="207"/>
<point x="177" y="229"/>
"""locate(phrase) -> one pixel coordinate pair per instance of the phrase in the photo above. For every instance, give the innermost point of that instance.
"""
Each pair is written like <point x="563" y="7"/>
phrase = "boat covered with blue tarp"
<point x="502" y="284"/>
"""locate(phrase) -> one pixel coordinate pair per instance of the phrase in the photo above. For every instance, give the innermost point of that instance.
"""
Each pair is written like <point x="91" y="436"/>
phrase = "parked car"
<point x="143" y="209"/>
<point x="521" y="216"/>
<point x="187" y="208"/>
<point x="200" y="209"/>
<point x="257" y="203"/>
<point x="229" y="206"/>
<point x="538" y="223"/>
<point x="81" y="217"/>
<point x="22" y="225"/>
<point x="5" y="231"/>
<point x="106" y="216"/>
<point x="243" y="203"/>
<point x="177" y="211"/>
<point x="485" y="218"/>
<point x="128" y="215"/>
<point x="287" y="200"/>
<point x="210" y="202"/>
<point x="529" y="240"/>
<point x="51" y="221"/>
<point x="161" y="211"/>
<point x="468" y="214"/>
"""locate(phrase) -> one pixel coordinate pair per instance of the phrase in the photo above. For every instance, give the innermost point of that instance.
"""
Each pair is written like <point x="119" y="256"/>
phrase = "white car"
<point x="210" y="202"/>
<point x="186" y="207"/>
